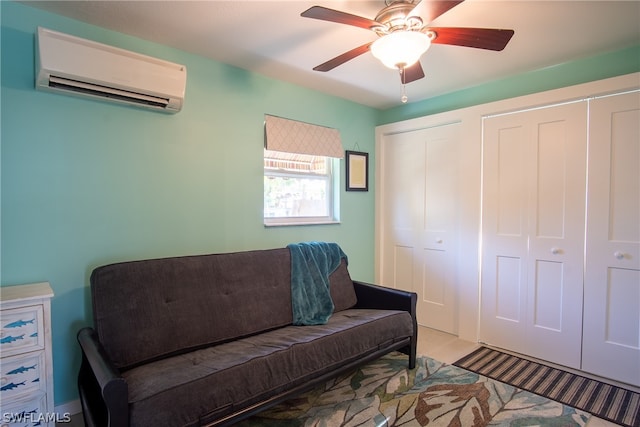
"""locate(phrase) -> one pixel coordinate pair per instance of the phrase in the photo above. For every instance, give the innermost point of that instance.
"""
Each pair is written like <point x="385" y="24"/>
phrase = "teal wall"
<point x="85" y="183"/>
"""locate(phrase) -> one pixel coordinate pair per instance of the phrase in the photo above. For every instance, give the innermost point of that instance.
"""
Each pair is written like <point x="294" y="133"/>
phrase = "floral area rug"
<point x="386" y="393"/>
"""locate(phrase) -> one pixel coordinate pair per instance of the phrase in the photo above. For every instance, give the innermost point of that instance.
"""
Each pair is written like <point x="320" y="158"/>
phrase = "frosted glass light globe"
<point x="400" y="49"/>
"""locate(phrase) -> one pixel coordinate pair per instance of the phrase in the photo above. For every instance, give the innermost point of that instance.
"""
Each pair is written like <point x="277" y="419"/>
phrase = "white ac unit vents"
<point x="75" y="66"/>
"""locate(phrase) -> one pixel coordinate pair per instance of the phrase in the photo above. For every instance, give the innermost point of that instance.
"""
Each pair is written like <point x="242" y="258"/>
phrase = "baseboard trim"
<point x="73" y="407"/>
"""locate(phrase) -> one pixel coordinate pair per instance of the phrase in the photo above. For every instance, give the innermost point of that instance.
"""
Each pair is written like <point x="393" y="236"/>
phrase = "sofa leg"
<point x="410" y="351"/>
<point x="413" y="350"/>
<point x="412" y="356"/>
<point x="412" y="361"/>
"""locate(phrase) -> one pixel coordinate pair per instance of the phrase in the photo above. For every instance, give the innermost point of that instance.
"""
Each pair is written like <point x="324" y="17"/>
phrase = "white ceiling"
<point x="271" y="38"/>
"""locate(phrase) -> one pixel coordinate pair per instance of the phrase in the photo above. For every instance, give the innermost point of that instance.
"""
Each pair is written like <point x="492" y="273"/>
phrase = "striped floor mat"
<point x="605" y="401"/>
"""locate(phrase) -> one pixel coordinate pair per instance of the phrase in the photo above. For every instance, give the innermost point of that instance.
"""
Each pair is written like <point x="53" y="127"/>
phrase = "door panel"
<point x="551" y="173"/>
<point x="419" y="190"/>
<point x="611" y="345"/>
<point x="438" y="287"/>
<point x="557" y="226"/>
<point x="508" y="288"/>
<point x="534" y="166"/>
<point x="547" y="307"/>
<point x="504" y="237"/>
<point x="403" y="268"/>
<point x="435" y="269"/>
<point x="508" y="181"/>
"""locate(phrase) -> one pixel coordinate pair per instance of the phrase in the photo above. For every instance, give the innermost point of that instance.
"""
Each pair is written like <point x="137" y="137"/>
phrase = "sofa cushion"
<point x="153" y="308"/>
<point x="341" y="288"/>
<point x="146" y="310"/>
<point x="233" y="375"/>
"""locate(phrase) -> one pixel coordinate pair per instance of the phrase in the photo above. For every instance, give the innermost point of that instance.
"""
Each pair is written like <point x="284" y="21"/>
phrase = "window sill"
<point x="286" y="223"/>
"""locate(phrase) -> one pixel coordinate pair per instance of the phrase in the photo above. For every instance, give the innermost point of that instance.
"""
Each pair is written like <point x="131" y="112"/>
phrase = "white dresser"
<point x="26" y="369"/>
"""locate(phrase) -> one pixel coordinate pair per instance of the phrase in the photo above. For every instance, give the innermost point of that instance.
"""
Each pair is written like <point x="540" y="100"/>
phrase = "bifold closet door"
<point x="418" y="190"/>
<point x="612" y="283"/>
<point x="533" y="197"/>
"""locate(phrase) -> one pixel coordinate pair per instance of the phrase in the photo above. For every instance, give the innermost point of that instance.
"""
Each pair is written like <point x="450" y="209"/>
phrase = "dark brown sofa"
<point x="209" y="340"/>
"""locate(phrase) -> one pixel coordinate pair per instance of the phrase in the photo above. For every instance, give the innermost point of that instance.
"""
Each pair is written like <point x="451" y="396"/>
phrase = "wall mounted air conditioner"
<point x="74" y="66"/>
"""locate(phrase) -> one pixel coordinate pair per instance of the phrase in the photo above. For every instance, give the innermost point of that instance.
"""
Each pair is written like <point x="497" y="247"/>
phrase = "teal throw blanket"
<point x="311" y="265"/>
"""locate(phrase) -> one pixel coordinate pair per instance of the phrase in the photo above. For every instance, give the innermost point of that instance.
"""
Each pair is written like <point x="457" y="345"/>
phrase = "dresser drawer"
<point x="22" y="330"/>
<point x="26" y="373"/>
<point x="22" y="374"/>
<point x="26" y="412"/>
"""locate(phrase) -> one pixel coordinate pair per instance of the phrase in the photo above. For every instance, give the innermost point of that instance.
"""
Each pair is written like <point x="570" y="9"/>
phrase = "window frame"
<point x="332" y="195"/>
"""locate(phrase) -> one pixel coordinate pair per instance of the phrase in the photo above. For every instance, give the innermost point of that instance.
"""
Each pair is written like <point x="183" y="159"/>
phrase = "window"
<point x="300" y="186"/>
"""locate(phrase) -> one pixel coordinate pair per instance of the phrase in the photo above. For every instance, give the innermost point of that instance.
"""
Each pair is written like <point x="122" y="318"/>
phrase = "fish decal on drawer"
<point x="10" y="339"/>
<point x="21" y="370"/>
<point x="11" y="386"/>
<point x="19" y="323"/>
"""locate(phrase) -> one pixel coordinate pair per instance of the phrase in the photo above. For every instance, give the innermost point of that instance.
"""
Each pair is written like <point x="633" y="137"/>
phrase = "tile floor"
<point x="435" y="344"/>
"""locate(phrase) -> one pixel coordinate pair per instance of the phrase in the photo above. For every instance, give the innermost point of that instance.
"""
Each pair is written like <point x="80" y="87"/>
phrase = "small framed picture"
<point x="357" y="171"/>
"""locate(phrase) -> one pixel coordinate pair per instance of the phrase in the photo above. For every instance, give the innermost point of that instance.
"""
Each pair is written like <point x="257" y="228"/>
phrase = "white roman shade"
<point x="291" y="136"/>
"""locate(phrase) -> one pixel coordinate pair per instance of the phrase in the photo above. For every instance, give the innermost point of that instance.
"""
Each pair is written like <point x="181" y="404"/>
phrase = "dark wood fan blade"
<point x="429" y="10"/>
<point x="413" y="73"/>
<point x="480" y="38"/>
<point x="326" y="14"/>
<point x="341" y="59"/>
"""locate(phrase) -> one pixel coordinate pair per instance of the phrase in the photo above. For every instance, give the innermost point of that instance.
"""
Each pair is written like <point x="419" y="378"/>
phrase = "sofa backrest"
<point x="146" y="310"/>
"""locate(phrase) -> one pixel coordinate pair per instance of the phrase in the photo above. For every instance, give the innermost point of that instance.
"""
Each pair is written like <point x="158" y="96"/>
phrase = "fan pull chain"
<point x="404" y="97"/>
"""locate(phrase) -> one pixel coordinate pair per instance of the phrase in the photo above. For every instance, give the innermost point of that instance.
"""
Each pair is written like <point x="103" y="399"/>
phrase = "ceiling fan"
<point x="404" y="34"/>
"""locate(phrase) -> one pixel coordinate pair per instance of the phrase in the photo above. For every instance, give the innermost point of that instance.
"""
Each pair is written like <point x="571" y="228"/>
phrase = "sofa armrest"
<point x="103" y="391"/>
<point x="374" y="296"/>
<point x="380" y="297"/>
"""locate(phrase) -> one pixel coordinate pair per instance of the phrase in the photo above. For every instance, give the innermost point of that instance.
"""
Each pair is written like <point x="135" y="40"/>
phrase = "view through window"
<point x="298" y="188"/>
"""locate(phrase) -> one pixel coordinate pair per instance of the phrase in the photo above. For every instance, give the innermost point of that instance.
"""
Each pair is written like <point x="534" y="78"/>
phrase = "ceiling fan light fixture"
<point x="400" y="49"/>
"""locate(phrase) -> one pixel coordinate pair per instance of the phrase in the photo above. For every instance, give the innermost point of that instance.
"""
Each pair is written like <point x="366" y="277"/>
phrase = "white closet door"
<point x="402" y="189"/>
<point x="505" y="232"/>
<point x="534" y="179"/>
<point x="419" y="193"/>
<point x="612" y="283"/>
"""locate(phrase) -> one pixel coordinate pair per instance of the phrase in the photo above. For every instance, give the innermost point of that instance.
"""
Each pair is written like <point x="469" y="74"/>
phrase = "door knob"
<point x="619" y="255"/>
<point x="556" y="251"/>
